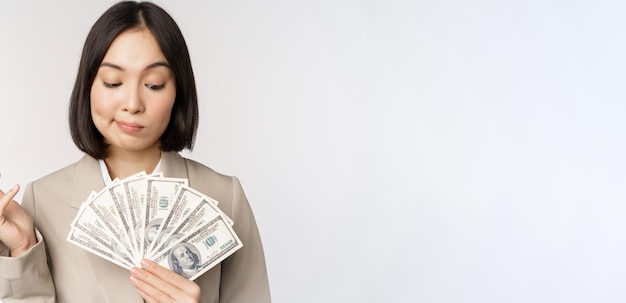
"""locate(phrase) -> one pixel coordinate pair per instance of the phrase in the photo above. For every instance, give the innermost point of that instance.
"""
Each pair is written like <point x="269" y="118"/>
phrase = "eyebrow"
<point x="153" y="65"/>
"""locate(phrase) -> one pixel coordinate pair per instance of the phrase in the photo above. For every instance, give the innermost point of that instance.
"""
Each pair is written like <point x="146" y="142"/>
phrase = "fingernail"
<point x="133" y="280"/>
<point x="145" y="263"/>
<point x="135" y="272"/>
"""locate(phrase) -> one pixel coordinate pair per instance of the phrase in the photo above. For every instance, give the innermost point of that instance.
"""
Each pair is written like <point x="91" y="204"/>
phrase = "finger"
<point x="163" y="273"/>
<point x="164" y="281"/>
<point x="6" y="198"/>
<point x="146" y="297"/>
<point x="149" y="286"/>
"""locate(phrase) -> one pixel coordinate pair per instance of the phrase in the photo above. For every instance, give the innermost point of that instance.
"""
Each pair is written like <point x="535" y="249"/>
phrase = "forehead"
<point x="136" y="47"/>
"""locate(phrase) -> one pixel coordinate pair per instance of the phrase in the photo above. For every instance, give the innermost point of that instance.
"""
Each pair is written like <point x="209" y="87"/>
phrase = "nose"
<point x="134" y="101"/>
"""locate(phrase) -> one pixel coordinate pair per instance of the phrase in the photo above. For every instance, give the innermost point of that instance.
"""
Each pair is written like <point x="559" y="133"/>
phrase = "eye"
<point x="155" y="86"/>
<point x="111" y="85"/>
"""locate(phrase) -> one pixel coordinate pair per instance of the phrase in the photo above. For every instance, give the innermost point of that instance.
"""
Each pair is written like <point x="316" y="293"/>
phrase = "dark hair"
<point x="180" y="133"/>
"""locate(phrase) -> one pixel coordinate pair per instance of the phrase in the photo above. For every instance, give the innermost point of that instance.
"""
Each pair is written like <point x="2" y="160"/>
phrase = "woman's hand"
<point x="159" y="284"/>
<point x="16" y="226"/>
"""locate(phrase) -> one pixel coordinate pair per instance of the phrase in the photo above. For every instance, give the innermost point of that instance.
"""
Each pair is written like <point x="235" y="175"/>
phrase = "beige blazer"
<point x="74" y="275"/>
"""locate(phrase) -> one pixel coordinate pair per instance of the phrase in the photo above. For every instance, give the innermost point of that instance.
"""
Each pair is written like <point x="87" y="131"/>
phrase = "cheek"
<point x="164" y="109"/>
<point x="100" y="115"/>
<point x="98" y="106"/>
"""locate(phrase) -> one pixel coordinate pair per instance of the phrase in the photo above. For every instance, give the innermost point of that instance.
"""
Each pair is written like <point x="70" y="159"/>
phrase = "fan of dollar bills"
<point x="162" y="219"/>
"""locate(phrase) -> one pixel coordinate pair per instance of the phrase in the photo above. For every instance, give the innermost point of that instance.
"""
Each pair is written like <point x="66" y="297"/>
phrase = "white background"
<point x="393" y="151"/>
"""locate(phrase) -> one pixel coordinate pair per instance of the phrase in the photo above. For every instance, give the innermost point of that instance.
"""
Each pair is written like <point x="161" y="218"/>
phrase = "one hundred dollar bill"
<point x="127" y="215"/>
<point x="149" y="216"/>
<point x="161" y="194"/>
<point x="90" y="225"/>
<point x="105" y="208"/>
<point x="196" y="253"/>
<point x="195" y="209"/>
<point x="94" y="246"/>
<point x="136" y="195"/>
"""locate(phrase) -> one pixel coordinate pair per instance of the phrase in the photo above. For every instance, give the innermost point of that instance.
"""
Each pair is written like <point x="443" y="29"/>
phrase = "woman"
<point x="133" y="108"/>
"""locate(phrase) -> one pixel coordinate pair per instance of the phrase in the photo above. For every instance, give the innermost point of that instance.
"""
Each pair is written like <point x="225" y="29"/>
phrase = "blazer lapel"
<point x="173" y="165"/>
<point x="87" y="178"/>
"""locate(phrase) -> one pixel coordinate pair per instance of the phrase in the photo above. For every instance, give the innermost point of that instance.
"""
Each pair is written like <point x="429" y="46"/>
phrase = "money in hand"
<point x="150" y="216"/>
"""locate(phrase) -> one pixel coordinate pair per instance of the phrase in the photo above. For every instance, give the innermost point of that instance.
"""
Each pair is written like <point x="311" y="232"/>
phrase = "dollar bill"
<point x="196" y="253"/>
<point x="186" y="201"/>
<point x="190" y="211"/>
<point x="127" y="215"/>
<point x="105" y="208"/>
<point x="161" y="194"/>
<point x="91" y="225"/>
<point x="136" y="195"/>
<point x="93" y="245"/>
<point x="150" y="216"/>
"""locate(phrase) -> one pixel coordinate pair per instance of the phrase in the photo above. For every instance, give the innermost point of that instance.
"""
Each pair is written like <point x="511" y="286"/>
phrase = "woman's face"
<point x="133" y="93"/>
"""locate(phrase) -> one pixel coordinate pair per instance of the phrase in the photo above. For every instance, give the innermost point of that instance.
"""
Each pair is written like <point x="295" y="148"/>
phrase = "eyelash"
<point x="155" y="87"/>
<point x="111" y="85"/>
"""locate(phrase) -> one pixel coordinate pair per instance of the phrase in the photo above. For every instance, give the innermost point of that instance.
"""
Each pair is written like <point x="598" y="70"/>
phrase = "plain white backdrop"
<point x="393" y="151"/>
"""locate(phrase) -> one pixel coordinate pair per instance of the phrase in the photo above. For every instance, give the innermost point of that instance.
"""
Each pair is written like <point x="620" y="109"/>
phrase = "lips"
<point x="129" y="127"/>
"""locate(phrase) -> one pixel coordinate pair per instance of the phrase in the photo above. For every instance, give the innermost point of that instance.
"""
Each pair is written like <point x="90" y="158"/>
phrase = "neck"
<point x="122" y="164"/>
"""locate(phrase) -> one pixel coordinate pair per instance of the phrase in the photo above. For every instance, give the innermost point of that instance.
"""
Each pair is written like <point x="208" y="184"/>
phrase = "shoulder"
<point x="199" y="169"/>
<point x="73" y="182"/>
<point x="221" y="187"/>
<point x="202" y="176"/>
<point x="66" y="186"/>
<point x="65" y="174"/>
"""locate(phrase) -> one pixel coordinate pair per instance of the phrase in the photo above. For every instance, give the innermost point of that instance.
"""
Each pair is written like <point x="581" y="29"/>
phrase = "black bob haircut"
<point x="180" y="132"/>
